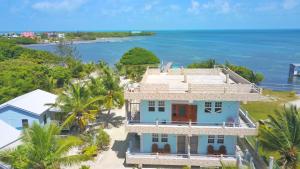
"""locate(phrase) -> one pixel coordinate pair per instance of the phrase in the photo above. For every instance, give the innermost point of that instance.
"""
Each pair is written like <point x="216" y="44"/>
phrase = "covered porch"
<point x="186" y="154"/>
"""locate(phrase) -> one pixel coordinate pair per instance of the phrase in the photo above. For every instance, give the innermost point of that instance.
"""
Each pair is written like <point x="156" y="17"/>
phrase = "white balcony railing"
<point x="243" y="127"/>
<point x="179" y="159"/>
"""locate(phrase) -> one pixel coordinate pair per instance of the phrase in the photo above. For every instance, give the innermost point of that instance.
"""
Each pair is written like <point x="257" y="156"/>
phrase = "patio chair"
<point x="222" y="150"/>
<point x="167" y="148"/>
<point x="210" y="150"/>
<point x="154" y="148"/>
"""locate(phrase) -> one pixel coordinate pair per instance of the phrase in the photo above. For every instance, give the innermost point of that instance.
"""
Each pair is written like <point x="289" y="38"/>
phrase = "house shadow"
<point x="120" y="147"/>
<point x="110" y="120"/>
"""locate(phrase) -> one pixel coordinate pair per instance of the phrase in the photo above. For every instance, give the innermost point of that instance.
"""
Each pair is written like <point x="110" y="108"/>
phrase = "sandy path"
<point x="113" y="158"/>
<point x="296" y="102"/>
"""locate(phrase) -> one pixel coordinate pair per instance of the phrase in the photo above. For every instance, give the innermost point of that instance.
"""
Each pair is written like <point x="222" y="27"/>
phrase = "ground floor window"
<point x="211" y="139"/>
<point x="154" y="137"/>
<point x="220" y="139"/>
<point x="164" y="138"/>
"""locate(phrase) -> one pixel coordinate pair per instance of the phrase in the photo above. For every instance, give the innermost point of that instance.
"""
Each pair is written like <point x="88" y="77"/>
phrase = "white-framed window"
<point x="211" y="139"/>
<point x="25" y="123"/>
<point x="164" y="138"/>
<point x="218" y="107"/>
<point x="220" y="139"/>
<point x="161" y="106"/>
<point x="151" y="105"/>
<point x="154" y="137"/>
<point x="207" y="108"/>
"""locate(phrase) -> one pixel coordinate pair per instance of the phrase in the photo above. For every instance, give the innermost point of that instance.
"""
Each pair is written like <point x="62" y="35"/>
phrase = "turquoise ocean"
<point x="267" y="51"/>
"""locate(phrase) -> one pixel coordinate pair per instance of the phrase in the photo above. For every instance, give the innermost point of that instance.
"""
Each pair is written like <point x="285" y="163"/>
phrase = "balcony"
<point x="243" y="127"/>
<point x="135" y="156"/>
<point x="179" y="159"/>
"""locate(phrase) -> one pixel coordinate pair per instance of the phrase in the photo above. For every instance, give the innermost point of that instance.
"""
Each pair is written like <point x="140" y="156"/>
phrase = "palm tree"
<point x="79" y="105"/>
<point x="113" y="93"/>
<point x="282" y="134"/>
<point x="42" y="148"/>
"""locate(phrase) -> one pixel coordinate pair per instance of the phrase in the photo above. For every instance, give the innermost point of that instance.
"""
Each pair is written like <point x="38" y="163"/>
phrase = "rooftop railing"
<point x="196" y="88"/>
<point x="241" y="85"/>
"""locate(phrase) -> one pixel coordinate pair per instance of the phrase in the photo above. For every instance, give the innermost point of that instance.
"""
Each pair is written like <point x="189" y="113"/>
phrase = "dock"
<point x="294" y="70"/>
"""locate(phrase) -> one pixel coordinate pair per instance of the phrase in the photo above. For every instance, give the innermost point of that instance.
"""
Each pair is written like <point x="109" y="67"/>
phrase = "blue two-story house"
<point x="188" y="117"/>
<point x="23" y="110"/>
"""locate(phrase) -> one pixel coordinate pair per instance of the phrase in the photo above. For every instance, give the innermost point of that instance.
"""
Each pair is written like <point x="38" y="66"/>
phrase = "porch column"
<point x="141" y="142"/>
<point x="189" y="146"/>
<point x="126" y="109"/>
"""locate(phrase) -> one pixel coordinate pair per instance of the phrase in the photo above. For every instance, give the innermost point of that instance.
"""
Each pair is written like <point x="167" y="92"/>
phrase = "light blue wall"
<point x="146" y="145"/>
<point x="14" y="116"/>
<point x="146" y="116"/>
<point x="229" y="110"/>
<point x="229" y="143"/>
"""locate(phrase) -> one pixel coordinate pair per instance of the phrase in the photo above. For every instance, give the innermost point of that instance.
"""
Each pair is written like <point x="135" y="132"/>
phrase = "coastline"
<point x="98" y="40"/>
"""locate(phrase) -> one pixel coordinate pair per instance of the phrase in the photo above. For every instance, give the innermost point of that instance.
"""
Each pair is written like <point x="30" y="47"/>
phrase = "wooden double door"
<point x="184" y="113"/>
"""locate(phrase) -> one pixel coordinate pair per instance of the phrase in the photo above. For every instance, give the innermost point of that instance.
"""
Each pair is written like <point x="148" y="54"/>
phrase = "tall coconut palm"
<point x="113" y="93"/>
<point x="42" y="148"/>
<point x="78" y="104"/>
<point x="282" y="134"/>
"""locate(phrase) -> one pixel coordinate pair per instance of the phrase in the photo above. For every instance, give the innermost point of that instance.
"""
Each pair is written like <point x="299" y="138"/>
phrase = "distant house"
<point x="22" y="111"/>
<point x="61" y="35"/>
<point x="28" y="35"/>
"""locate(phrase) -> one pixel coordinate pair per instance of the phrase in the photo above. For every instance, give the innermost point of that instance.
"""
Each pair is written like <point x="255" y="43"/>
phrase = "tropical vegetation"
<point x="134" y="62"/>
<point x="95" y="35"/>
<point x="79" y="106"/>
<point x="43" y="148"/>
<point x="23" y="70"/>
<point x="254" y="77"/>
<point x="281" y="134"/>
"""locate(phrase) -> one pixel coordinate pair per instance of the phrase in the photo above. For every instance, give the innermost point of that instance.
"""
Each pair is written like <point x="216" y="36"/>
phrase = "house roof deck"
<point x="183" y="84"/>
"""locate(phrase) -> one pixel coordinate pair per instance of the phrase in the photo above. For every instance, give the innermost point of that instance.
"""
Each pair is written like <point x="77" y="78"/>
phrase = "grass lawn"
<point x="261" y="109"/>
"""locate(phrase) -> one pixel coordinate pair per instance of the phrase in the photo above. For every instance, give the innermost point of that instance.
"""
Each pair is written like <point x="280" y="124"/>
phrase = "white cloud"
<point x="290" y="4"/>
<point x="68" y="5"/>
<point x="195" y="7"/>
<point x="218" y="6"/>
<point x="149" y="6"/>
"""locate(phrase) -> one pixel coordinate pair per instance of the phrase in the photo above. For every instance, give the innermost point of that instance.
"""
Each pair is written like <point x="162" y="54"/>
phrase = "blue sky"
<point x="73" y="15"/>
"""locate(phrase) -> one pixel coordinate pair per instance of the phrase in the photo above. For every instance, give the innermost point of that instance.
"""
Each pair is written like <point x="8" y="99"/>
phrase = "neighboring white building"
<point x="11" y="136"/>
<point x="61" y="35"/>
<point x="25" y="109"/>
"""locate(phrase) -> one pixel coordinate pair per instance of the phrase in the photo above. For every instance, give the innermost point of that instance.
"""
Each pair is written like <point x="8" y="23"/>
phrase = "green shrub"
<point x="90" y="150"/>
<point x="186" y="167"/>
<point x="85" y="167"/>
<point x="103" y="140"/>
<point x="210" y="63"/>
<point x="134" y="62"/>
<point x="139" y="56"/>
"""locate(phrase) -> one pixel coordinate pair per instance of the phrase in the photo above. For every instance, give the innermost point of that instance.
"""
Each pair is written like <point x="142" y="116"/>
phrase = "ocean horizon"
<point x="269" y="51"/>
